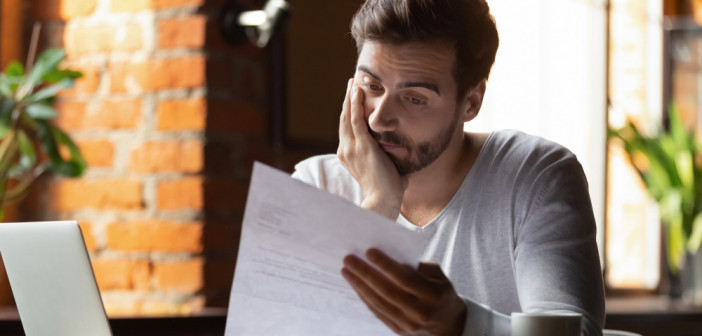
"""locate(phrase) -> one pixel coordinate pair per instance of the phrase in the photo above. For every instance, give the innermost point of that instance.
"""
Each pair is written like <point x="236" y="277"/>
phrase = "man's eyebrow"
<point x="367" y="71"/>
<point x="426" y="85"/>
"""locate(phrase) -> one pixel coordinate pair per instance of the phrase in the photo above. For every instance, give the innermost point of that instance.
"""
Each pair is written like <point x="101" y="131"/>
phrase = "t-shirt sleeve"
<point x="557" y="265"/>
<point x="310" y="171"/>
<point x="303" y="174"/>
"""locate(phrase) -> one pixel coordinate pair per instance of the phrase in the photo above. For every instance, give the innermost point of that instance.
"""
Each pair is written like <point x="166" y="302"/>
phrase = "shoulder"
<point x="518" y="146"/>
<point x="529" y="164"/>
<point x="525" y="156"/>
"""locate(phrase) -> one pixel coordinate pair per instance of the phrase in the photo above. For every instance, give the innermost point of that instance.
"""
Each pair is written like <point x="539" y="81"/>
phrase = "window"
<point x="549" y="80"/>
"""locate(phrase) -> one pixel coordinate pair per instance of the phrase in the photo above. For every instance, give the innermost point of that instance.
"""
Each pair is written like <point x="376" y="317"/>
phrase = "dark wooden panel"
<point x="320" y="57"/>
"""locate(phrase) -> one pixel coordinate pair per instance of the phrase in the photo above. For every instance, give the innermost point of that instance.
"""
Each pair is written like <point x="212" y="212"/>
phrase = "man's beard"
<point x="421" y="155"/>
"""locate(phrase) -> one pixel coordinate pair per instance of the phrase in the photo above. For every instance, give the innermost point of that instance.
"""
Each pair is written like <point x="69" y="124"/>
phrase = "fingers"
<point x="345" y="130"/>
<point x="403" y="275"/>
<point x="358" y="121"/>
<point x="380" y="288"/>
<point x="386" y="287"/>
<point x="377" y="281"/>
<point x="383" y="310"/>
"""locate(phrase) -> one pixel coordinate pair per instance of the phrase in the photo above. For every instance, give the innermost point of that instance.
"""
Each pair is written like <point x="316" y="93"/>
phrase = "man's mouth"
<point x="388" y="147"/>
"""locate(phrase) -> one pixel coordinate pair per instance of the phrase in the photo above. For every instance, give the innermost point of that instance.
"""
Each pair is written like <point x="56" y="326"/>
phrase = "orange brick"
<point x="111" y="114"/>
<point x="184" y="193"/>
<point x="87" y="229"/>
<point x="181" y="114"/>
<point x="137" y="5"/>
<point x="152" y="75"/>
<point x="122" y="274"/>
<point x="155" y="235"/>
<point x="115" y="114"/>
<point x="181" y="276"/>
<point x="160" y="156"/>
<point x="97" y="153"/>
<point x="70" y="114"/>
<point x="118" y="77"/>
<point x="87" y="84"/>
<point x="74" y="194"/>
<point x="182" y="33"/>
<point x="81" y="40"/>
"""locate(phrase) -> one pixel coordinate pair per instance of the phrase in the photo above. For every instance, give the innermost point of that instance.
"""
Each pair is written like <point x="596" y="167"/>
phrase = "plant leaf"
<point x="61" y="74"/>
<point x="46" y="63"/>
<point x="695" y="240"/>
<point x="75" y="166"/>
<point x="15" y="69"/>
<point x="28" y="155"/>
<point x="50" y="91"/>
<point x="5" y="90"/>
<point x="51" y="137"/>
<point x="6" y="106"/>
<point x="8" y="151"/>
<point x="676" y="243"/>
<point x="41" y="111"/>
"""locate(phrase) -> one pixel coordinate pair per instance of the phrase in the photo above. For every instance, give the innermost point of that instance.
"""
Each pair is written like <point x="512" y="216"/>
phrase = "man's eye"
<point x="373" y="87"/>
<point x="415" y="101"/>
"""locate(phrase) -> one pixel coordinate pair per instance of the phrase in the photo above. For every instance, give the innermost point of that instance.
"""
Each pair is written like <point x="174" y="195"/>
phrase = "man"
<point x="506" y="217"/>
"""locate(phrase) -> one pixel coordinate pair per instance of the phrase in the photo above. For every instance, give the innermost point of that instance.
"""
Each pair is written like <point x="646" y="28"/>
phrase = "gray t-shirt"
<point x="518" y="235"/>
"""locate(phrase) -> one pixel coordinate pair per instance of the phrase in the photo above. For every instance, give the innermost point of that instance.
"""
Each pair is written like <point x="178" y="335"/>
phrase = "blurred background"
<point x="172" y="110"/>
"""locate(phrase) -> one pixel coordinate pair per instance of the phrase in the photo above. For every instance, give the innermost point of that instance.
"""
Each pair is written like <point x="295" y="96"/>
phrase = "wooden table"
<point x="649" y="316"/>
<point x="653" y="316"/>
<point x="209" y="322"/>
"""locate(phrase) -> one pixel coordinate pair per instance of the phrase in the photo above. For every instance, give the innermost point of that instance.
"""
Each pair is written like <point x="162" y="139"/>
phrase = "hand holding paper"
<point x="405" y="299"/>
<point x="293" y="242"/>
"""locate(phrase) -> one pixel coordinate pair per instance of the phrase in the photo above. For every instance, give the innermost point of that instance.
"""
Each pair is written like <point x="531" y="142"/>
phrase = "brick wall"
<point x="170" y="120"/>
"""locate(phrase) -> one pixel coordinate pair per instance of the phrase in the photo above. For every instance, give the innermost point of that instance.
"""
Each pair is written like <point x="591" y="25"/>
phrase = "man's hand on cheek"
<point x="383" y="187"/>
<point x="408" y="301"/>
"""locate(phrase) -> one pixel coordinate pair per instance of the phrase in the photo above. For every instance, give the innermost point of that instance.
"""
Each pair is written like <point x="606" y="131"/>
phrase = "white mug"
<point x="547" y="324"/>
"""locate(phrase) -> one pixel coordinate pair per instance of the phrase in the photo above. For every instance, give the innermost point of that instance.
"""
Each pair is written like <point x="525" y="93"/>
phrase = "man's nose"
<point x="382" y="117"/>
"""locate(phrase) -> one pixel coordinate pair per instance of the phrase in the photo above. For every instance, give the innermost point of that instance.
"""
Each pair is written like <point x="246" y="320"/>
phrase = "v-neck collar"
<point x="409" y="225"/>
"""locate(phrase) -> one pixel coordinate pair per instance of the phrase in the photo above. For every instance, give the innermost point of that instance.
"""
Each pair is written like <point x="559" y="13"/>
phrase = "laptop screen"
<point x="51" y="279"/>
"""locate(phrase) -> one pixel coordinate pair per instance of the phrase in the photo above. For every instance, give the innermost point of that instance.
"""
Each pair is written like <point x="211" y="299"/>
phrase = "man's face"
<point x="409" y="100"/>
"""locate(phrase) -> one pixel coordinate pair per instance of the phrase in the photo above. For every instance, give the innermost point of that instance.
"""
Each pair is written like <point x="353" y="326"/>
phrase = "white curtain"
<point x="549" y="80"/>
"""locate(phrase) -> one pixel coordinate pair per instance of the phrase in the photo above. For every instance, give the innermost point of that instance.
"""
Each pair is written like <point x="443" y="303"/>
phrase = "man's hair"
<point x="465" y="24"/>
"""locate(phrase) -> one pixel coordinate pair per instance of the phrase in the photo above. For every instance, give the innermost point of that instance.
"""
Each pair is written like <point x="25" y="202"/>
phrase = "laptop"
<point x="52" y="280"/>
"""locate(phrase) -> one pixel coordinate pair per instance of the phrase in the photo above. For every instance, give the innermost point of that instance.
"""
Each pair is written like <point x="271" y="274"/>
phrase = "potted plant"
<point x="670" y="164"/>
<point x="26" y="127"/>
<point x="30" y="143"/>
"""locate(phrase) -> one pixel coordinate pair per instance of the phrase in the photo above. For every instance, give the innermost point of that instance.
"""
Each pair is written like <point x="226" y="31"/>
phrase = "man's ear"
<point x="472" y="102"/>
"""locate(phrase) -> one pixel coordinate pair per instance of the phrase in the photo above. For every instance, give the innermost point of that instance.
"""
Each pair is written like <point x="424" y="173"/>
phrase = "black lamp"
<point x="255" y="26"/>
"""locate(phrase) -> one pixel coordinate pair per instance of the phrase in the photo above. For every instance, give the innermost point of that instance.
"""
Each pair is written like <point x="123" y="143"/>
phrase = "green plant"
<point x="30" y="142"/>
<point x="670" y="164"/>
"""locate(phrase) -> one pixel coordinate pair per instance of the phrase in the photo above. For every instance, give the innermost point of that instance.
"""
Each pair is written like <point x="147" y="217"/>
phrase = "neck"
<point x="430" y="189"/>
